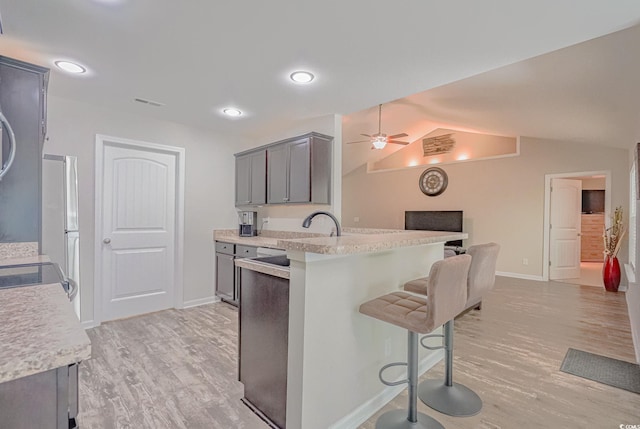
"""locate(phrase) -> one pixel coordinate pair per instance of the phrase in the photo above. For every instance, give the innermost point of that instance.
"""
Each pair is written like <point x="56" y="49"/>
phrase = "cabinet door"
<point x="259" y="177"/>
<point x="300" y="171"/>
<point x="277" y="174"/>
<point x="243" y="180"/>
<point x="225" y="276"/>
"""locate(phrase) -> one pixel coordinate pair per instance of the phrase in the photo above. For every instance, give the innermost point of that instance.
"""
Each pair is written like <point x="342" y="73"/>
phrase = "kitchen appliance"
<point x="248" y="224"/>
<point x="60" y="234"/>
<point x="5" y="165"/>
<point x="23" y="93"/>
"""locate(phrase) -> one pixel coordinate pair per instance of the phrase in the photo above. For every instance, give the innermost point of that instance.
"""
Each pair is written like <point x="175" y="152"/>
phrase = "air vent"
<point x="149" y="102"/>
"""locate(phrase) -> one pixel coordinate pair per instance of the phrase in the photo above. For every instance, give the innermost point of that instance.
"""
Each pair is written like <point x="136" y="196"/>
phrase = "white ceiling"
<point x="199" y="56"/>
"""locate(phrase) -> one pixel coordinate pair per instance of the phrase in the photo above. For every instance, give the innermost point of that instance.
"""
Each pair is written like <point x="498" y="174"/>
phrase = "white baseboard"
<point x="373" y="405"/>
<point x="520" y="276"/>
<point x="88" y="324"/>
<point x="200" y="301"/>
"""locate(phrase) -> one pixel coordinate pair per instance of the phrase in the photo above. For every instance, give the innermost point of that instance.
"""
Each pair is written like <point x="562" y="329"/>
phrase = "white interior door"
<point x="564" y="234"/>
<point x="138" y="230"/>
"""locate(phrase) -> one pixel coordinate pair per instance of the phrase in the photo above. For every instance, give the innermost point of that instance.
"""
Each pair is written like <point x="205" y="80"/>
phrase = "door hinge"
<point x="549" y="262"/>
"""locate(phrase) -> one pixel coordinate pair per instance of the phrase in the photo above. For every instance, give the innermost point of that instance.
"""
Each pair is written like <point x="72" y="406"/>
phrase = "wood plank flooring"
<point x="177" y="368"/>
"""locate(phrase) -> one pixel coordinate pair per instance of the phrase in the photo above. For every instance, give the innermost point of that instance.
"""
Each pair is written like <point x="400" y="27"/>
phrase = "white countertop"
<point x="39" y="331"/>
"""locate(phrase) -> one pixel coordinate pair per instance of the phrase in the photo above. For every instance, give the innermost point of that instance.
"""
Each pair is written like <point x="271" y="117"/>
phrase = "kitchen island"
<point x="334" y="352"/>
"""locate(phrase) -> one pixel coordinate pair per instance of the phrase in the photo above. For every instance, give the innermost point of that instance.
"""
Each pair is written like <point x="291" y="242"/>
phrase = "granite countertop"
<point x="24" y="260"/>
<point x="261" y="267"/>
<point x="38" y="331"/>
<point x="353" y="240"/>
<point x="365" y="243"/>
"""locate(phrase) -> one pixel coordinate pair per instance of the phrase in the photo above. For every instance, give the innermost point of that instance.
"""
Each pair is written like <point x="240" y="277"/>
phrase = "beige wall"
<point x="595" y="183"/>
<point x="502" y="199"/>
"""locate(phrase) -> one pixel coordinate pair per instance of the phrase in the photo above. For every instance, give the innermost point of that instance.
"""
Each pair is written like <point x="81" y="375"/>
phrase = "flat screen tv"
<point x="450" y="220"/>
<point x="592" y="201"/>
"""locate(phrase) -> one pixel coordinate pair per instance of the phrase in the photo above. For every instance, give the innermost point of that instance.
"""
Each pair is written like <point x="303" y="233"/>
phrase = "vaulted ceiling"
<point x="587" y="93"/>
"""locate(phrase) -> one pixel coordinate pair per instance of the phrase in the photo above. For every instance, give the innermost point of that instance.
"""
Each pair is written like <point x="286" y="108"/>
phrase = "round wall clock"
<point x="433" y="181"/>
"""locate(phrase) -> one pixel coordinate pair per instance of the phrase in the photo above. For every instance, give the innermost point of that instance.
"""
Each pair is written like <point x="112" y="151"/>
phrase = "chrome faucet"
<point x="307" y="222"/>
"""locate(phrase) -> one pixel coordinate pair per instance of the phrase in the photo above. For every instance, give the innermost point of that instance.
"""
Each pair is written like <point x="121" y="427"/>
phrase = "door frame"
<point x="547" y="208"/>
<point x="179" y="152"/>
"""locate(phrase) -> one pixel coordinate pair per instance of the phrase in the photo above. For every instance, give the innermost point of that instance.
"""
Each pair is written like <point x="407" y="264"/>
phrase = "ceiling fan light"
<point x="379" y="143"/>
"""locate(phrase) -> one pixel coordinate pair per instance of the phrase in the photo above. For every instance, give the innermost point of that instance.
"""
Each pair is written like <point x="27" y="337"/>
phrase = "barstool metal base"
<point x="456" y="400"/>
<point x="397" y="419"/>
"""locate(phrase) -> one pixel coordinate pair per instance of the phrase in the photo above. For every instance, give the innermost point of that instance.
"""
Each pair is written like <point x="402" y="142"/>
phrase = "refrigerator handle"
<point x="73" y="289"/>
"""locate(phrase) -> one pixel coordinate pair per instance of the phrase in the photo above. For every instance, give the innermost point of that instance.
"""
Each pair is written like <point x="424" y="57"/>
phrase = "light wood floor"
<point x="176" y="369"/>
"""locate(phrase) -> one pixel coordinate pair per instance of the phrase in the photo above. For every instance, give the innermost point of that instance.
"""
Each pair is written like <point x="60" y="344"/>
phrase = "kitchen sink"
<point x="280" y="260"/>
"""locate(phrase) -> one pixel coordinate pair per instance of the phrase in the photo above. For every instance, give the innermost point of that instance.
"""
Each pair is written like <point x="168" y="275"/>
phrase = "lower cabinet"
<point x="227" y="276"/>
<point x="47" y="400"/>
<point x="264" y="342"/>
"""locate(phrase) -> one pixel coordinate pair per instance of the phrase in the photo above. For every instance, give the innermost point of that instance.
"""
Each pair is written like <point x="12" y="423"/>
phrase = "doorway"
<point x="139" y="227"/>
<point x="594" y="209"/>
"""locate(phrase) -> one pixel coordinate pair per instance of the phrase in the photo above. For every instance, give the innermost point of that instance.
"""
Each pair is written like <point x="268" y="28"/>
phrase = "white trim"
<point x="201" y="301"/>
<point x="373" y="405"/>
<point x="88" y="324"/>
<point x="547" y="208"/>
<point x="520" y="276"/>
<point x="179" y="153"/>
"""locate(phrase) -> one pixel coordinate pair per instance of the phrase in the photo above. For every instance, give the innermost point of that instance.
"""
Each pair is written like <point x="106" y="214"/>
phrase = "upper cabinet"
<point x="298" y="170"/>
<point x="251" y="178"/>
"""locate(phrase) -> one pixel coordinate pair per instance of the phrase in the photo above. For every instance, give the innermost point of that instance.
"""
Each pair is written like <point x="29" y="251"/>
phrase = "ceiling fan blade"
<point x="366" y="135"/>
<point x="397" y="142"/>
<point x="359" y="141"/>
<point x="396" y="136"/>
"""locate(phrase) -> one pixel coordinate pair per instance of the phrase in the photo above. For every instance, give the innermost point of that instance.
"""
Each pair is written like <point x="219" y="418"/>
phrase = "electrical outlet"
<point x="525" y="261"/>
<point x="356" y="219"/>
<point x="387" y="347"/>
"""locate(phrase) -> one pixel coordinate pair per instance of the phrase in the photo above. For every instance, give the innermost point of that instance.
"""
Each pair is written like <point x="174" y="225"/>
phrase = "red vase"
<point x="611" y="274"/>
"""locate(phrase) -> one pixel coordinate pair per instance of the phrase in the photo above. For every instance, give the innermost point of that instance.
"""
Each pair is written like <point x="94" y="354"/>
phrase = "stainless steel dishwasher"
<point x="264" y="341"/>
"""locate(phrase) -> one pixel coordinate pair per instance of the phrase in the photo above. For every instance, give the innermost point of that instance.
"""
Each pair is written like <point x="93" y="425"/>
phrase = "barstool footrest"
<point x="431" y="336"/>
<point x="456" y="400"/>
<point x="387" y="366"/>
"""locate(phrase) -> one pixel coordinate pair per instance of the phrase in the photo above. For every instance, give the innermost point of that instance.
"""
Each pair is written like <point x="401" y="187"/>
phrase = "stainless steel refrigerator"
<point x="60" y="233"/>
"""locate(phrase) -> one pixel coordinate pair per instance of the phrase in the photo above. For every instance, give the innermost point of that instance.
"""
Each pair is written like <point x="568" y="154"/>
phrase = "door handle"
<point x="106" y="241"/>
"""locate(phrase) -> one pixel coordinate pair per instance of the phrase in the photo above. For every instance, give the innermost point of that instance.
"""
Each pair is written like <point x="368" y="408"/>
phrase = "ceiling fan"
<point x="380" y="140"/>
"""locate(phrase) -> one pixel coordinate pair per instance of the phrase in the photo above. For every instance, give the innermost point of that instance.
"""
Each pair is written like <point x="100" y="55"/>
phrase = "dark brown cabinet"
<point x="298" y="170"/>
<point x="251" y="178"/>
<point x="227" y="277"/>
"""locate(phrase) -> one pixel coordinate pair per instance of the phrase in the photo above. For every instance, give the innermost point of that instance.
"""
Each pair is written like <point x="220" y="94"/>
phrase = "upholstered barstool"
<point x="455" y="399"/>
<point x="447" y="294"/>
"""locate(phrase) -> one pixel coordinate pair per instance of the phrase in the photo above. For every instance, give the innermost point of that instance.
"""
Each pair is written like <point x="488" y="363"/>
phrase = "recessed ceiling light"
<point x="70" y="67"/>
<point x="302" y="76"/>
<point x="232" y="111"/>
